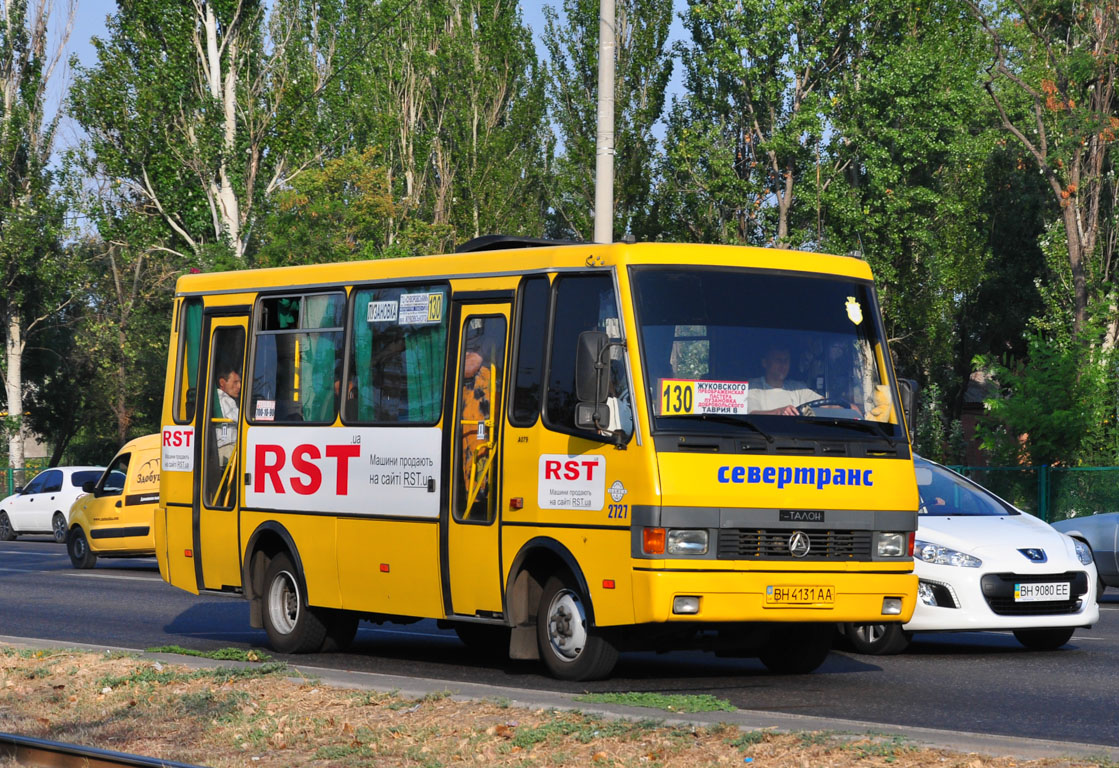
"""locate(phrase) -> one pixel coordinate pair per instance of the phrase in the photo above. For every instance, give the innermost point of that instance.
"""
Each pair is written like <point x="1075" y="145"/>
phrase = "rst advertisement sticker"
<point x="177" y="454"/>
<point x="361" y="471"/>
<point x="571" y="482"/>
<point x="684" y="397"/>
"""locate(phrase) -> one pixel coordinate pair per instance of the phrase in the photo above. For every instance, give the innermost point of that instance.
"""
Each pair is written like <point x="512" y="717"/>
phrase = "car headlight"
<point x="687" y="542"/>
<point x="934" y="553"/>
<point x="1083" y="552"/>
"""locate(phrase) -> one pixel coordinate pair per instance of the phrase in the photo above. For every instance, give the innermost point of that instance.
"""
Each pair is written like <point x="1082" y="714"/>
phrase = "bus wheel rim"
<point x="567" y="625"/>
<point x="871" y="633"/>
<point x="283" y="602"/>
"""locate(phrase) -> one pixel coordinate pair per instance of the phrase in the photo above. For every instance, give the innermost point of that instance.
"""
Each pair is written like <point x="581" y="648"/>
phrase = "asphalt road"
<point x="975" y="682"/>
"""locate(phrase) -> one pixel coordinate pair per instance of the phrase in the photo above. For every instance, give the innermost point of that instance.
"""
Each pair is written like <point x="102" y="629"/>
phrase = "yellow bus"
<point x="565" y="450"/>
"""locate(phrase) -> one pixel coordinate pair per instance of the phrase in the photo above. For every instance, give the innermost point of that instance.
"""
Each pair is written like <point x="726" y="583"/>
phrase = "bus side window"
<point x="532" y="341"/>
<point x="297" y="361"/>
<point x="186" y="377"/>
<point x="582" y="303"/>
<point x="397" y="355"/>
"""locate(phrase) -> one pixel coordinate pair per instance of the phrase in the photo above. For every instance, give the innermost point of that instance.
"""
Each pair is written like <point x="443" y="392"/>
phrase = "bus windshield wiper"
<point x="738" y="421"/>
<point x="872" y="427"/>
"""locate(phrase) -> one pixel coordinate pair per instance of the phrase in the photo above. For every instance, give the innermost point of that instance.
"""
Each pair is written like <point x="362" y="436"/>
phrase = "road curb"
<point x="748" y="720"/>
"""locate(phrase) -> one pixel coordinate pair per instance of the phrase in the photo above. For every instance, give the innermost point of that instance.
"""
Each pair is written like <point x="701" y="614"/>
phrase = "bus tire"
<point x="77" y="546"/>
<point x="341" y="627"/>
<point x="797" y="649"/>
<point x="877" y="639"/>
<point x="1048" y="639"/>
<point x="291" y="625"/>
<point x="571" y="647"/>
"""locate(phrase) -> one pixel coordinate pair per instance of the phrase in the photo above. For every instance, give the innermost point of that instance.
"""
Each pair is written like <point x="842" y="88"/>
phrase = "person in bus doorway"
<point x="774" y="393"/>
<point x="229" y="396"/>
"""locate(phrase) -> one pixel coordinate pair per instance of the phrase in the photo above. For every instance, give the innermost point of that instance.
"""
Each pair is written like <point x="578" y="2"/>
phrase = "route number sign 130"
<point x="678" y="398"/>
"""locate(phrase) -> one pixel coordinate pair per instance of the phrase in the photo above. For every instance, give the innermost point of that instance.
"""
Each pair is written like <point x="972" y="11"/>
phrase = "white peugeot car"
<point x="983" y="564"/>
<point x="43" y="505"/>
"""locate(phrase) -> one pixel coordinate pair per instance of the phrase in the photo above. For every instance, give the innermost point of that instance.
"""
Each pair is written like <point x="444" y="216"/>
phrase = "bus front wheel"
<point x="291" y="625"/>
<point x="571" y="647"/>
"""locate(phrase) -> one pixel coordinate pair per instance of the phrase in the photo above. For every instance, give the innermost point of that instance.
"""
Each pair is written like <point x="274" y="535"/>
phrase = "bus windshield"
<point x="781" y="351"/>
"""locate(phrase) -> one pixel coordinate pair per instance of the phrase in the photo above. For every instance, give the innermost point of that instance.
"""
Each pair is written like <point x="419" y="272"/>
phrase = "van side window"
<point x="398" y="355"/>
<point x="186" y="376"/>
<point x="297" y="366"/>
<point x="532" y="342"/>
<point x="582" y="303"/>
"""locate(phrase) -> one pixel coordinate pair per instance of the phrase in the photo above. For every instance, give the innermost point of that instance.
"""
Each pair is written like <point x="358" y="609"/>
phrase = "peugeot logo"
<point x="799" y="544"/>
<point x="1036" y="554"/>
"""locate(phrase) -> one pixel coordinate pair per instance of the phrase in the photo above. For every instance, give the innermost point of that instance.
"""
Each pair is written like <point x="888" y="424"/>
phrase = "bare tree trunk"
<point x="13" y="384"/>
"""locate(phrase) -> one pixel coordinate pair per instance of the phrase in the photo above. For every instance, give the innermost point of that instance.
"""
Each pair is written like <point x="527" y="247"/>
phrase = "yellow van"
<point x="114" y="517"/>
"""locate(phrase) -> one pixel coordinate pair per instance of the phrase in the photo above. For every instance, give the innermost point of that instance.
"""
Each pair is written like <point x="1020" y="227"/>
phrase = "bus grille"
<point x="773" y="544"/>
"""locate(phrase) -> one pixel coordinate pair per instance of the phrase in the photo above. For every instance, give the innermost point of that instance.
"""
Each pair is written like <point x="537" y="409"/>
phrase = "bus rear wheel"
<point x="571" y="647"/>
<point x="291" y="625"/>
<point x="797" y="649"/>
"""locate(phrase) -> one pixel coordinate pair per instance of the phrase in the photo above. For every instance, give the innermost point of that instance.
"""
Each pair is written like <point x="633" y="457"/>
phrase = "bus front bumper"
<point x="738" y="596"/>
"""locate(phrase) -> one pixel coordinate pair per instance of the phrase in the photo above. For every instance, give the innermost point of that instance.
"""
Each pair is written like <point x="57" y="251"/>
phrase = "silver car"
<point x="1101" y="533"/>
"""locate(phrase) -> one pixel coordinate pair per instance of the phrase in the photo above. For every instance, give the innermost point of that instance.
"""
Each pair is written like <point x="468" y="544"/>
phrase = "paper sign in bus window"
<point x="687" y="397"/>
<point x="382" y="311"/>
<point x="421" y="308"/>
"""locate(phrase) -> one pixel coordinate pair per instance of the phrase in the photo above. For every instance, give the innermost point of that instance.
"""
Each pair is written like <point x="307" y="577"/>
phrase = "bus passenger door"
<point x="217" y="549"/>
<point x="473" y="543"/>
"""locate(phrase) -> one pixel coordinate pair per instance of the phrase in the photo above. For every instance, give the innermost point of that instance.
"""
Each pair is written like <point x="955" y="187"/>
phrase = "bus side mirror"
<point x="908" y="389"/>
<point x="591" y="381"/>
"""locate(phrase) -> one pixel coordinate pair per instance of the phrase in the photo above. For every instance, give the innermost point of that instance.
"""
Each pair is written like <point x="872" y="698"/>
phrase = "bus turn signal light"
<point x="652" y="541"/>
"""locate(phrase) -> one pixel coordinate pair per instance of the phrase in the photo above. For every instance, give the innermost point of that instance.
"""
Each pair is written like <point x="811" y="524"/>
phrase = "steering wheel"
<point x="806" y="409"/>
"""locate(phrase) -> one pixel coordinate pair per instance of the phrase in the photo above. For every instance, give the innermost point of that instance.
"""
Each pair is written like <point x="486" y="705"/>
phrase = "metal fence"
<point x="1052" y="493"/>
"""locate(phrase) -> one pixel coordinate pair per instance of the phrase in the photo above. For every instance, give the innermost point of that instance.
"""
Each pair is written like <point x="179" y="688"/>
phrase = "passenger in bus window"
<point x="229" y="396"/>
<point x="775" y="394"/>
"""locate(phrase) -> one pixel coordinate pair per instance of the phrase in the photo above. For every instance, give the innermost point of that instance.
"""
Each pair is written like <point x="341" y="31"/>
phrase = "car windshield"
<point x="944" y="493"/>
<point x="782" y="351"/>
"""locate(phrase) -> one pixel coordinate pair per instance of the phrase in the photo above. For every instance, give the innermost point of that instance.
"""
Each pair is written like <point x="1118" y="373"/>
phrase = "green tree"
<point x="449" y="93"/>
<point x="913" y="135"/>
<point x="642" y="71"/>
<point x="744" y="144"/>
<point x="1052" y="77"/>
<point x="337" y="213"/>
<point x="195" y="112"/>
<point x="32" y="275"/>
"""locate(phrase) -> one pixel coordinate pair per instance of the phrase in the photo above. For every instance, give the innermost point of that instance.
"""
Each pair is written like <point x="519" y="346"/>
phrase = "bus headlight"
<point x="891" y="544"/>
<point x="687" y="542"/>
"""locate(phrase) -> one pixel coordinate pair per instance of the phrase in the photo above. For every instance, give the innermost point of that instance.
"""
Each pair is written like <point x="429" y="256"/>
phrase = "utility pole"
<point x="604" y="148"/>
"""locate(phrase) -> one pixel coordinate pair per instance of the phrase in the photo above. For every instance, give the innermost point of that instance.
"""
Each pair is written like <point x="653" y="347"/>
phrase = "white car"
<point x="983" y="564"/>
<point x="43" y="505"/>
